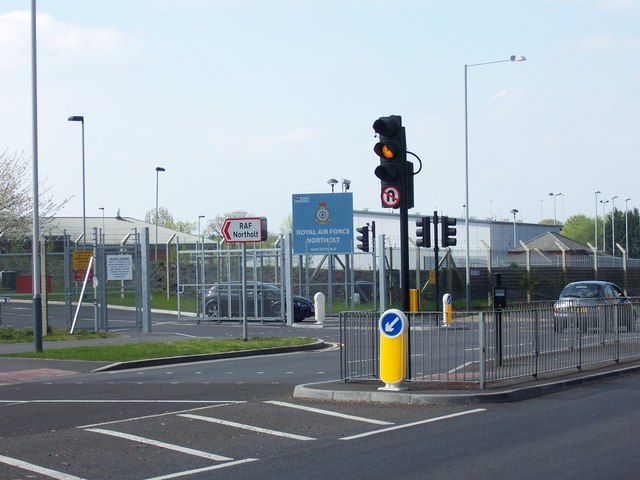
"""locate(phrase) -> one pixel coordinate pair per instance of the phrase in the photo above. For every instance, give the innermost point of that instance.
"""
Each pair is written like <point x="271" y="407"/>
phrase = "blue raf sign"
<point x="322" y="223"/>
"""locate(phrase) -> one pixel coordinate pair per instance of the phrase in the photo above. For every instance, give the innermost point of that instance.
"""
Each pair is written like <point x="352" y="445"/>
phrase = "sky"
<point x="247" y="102"/>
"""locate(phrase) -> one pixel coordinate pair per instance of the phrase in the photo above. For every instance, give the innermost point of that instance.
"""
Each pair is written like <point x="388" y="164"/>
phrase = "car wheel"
<point x="276" y="310"/>
<point x="211" y="310"/>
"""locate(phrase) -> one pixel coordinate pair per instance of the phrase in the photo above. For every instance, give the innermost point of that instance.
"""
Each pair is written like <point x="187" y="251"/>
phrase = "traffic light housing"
<point x="423" y="232"/>
<point x="391" y="149"/>
<point x="448" y="232"/>
<point x="363" y="238"/>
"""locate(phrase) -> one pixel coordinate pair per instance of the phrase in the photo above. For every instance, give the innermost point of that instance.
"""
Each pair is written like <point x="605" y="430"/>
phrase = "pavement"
<point x="14" y="370"/>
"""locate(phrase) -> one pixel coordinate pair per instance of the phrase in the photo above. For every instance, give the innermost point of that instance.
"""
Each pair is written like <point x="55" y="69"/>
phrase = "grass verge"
<point x="141" y="351"/>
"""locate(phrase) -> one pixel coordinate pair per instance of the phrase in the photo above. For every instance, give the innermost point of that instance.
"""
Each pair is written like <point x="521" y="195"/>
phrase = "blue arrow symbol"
<point x="388" y="328"/>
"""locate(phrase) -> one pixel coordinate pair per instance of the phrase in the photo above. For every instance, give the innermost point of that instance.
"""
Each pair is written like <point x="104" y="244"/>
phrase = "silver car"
<point x="593" y="304"/>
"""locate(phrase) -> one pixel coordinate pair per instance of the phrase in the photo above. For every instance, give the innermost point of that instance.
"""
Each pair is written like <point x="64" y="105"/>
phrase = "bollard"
<point x="447" y="310"/>
<point x="318" y="300"/>
<point x="393" y="326"/>
<point x="414" y="300"/>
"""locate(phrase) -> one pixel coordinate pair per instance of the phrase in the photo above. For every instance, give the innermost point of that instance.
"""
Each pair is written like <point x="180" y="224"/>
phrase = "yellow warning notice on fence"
<point x="80" y="259"/>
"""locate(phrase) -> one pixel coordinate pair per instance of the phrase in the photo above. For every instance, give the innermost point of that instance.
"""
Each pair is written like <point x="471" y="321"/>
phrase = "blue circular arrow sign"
<point x="393" y="323"/>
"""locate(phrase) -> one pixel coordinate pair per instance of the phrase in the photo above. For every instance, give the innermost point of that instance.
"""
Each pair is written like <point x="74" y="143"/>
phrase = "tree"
<point x="16" y="199"/>
<point x="580" y="228"/>
<point x="165" y="219"/>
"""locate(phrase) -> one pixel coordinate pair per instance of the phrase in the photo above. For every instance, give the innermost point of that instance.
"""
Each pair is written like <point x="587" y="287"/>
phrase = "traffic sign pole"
<point x="393" y="349"/>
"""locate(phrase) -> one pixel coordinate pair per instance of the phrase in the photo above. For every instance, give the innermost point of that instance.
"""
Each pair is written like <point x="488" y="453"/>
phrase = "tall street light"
<point x="626" y="225"/>
<point x="604" y="230"/>
<point x="102" y="209"/>
<point x="158" y="170"/>
<point x="596" y="220"/>
<point x="80" y="118"/>
<point x="514" y="211"/>
<point x="613" y="226"/>
<point x="554" y="195"/>
<point x="513" y="58"/>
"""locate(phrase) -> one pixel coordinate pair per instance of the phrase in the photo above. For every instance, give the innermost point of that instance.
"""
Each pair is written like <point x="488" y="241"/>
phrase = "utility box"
<point x="499" y="298"/>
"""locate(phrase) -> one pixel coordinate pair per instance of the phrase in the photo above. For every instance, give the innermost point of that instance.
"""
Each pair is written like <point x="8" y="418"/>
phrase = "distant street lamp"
<point x="626" y="225"/>
<point x="200" y="217"/>
<point x="554" y="195"/>
<point x="604" y="230"/>
<point x="513" y="58"/>
<point x="333" y="182"/>
<point x="80" y="118"/>
<point x="158" y="170"/>
<point x="102" y="208"/>
<point x="613" y="226"/>
<point x="514" y="211"/>
<point x="596" y="220"/>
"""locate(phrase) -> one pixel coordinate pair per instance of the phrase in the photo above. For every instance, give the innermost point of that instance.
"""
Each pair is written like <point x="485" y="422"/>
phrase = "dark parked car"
<point x="263" y="300"/>
<point x="593" y="304"/>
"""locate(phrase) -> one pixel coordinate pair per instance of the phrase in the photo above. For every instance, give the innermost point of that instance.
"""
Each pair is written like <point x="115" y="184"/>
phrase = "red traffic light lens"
<point x="387" y="126"/>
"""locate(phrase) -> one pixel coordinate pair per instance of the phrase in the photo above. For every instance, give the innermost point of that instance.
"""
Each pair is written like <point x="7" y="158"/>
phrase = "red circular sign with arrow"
<point x="390" y="196"/>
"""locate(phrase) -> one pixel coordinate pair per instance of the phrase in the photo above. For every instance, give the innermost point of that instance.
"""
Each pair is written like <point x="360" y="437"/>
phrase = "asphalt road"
<point x="236" y="419"/>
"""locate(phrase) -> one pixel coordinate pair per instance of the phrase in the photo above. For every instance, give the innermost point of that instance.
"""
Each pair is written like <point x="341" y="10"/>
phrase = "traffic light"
<point x="423" y="232"/>
<point x="448" y="231"/>
<point x="392" y="152"/>
<point x="363" y="238"/>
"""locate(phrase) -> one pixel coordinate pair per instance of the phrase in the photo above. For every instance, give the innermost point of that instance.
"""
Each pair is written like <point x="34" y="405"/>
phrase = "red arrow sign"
<point x="244" y="230"/>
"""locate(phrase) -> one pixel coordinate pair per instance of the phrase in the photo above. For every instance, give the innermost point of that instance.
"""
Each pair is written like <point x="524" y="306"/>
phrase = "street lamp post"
<point x="554" y="195"/>
<point x="626" y="225"/>
<point x="596" y="220"/>
<point x="604" y="230"/>
<point x="514" y="211"/>
<point x="80" y="118"/>
<point x="333" y="182"/>
<point x="102" y="209"/>
<point x="158" y="170"/>
<point x="613" y="226"/>
<point x="513" y="58"/>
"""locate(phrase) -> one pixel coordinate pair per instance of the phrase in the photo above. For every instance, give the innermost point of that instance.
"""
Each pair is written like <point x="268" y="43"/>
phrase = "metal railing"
<point x="483" y="347"/>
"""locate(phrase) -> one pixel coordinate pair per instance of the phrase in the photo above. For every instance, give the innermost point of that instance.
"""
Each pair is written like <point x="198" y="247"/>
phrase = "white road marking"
<point x="14" y="462"/>
<point x="203" y="469"/>
<point x="251" y="428"/>
<point x="328" y="412"/>
<point x="156" y="415"/>
<point x="156" y="443"/>
<point x="413" y="424"/>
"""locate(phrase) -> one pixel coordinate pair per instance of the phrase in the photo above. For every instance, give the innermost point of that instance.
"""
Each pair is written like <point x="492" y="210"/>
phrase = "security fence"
<point x="484" y="347"/>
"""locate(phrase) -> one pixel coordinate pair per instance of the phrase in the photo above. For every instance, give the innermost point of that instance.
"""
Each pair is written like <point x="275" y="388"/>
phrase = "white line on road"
<point x="413" y="424"/>
<point x="328" y="412"/>
<point x="14" y="462"/>
<point x="156" y="443"/>
<point x="203" y="469"/>
<point x="243" y="426"/>
<point x="155" y="415"/>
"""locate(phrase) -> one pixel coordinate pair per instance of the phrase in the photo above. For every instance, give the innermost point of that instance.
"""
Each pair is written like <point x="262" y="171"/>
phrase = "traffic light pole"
<point x="436" y="267"/>
<point x="404" y="231"/>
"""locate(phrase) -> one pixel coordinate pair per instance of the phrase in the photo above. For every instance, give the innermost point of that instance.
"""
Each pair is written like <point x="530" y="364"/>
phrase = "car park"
<point x="263" y="301"/>
<point x="592" y="304"/>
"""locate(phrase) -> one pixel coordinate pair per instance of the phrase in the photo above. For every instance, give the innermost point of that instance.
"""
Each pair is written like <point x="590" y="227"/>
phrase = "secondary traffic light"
<point x="392" y="152"/>
<point x="423" y="232"/>
<point x="448" y="231"/>
<point x="363" y="238"/>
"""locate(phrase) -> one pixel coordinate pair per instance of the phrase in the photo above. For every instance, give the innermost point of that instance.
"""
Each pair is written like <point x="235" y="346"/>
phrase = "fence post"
<point x="482" y="360"/>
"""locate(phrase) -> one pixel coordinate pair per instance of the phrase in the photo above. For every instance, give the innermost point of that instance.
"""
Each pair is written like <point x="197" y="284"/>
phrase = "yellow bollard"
<point x="393" y="349"/>
<point x="447" y="310"/>
<point x="414" y="300"/>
